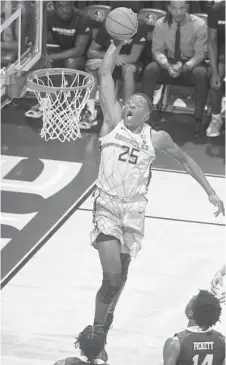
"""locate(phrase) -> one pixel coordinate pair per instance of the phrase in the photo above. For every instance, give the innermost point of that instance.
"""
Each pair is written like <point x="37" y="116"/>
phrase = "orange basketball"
<point x="121" y="23"/>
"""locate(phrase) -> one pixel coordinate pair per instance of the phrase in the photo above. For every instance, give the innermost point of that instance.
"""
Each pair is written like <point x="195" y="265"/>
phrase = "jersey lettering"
<point x="203" y="345"/>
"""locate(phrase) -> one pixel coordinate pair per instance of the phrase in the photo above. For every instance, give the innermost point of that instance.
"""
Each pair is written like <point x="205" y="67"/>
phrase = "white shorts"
<point x="121" y="218"/>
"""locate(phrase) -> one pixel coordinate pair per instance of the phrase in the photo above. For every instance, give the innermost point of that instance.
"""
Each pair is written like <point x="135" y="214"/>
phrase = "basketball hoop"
<point x="62" y="94"/>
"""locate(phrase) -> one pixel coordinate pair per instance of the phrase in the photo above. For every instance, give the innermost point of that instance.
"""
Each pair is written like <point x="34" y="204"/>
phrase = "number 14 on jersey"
<point x="208" y="360"/>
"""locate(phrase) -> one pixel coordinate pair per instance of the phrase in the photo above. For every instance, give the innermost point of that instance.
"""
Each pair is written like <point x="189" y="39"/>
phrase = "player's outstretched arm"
<point x="109" y="105"/>
<point x="171" y="351"/>
<point x="163" y="141"/>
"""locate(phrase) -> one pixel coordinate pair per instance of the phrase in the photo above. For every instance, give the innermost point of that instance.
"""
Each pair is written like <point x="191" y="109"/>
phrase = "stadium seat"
<point x="97" y="15"/>
<point x="203" y="16"/>
<point x="150" y="16"/>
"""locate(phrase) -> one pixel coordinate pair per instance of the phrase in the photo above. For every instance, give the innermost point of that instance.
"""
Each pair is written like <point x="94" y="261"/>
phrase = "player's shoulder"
<point x="197" y="22"/>
<point x="83" y="19"/>
<point x="160" y="139"/>
<point x="172" y="344"/>
<point x="218" y="334"/>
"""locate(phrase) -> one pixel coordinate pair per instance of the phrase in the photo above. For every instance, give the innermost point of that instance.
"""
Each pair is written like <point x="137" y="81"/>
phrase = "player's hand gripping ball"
<point x="121" y="24"/>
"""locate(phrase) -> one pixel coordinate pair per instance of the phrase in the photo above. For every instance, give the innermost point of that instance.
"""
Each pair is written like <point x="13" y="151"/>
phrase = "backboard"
<point x="21" y="40"/>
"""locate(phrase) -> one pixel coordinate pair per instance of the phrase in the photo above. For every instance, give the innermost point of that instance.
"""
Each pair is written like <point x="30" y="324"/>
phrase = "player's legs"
<point x="107" y="238"/>
<point x="125" y="261"/>
<point x="109" y="250"/>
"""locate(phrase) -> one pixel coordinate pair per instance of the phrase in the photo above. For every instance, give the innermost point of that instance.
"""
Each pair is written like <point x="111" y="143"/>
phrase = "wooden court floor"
<point x="52" y="298"/>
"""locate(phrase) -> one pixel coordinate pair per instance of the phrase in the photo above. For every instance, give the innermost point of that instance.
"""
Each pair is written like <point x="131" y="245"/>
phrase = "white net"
<point x="62" y="95"/>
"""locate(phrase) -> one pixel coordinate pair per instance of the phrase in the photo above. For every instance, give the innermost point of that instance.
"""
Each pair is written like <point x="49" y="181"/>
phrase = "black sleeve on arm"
<point x="84" y="27"/>
<point x="141" y="35"/>
<point x="102" y="37"/>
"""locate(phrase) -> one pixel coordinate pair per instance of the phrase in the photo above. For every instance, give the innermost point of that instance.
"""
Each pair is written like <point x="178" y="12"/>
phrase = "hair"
<point x="168" y="17"/>
<point x="148" y="100"/>
<point x="206" y="309"/>
<point x="91" y="342"/>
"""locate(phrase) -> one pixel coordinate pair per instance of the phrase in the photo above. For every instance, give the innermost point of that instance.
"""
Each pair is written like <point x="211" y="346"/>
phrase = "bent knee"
<point x="200" y="72"/>
<point x="152" y="67"/>
<point x="75" y="63"/>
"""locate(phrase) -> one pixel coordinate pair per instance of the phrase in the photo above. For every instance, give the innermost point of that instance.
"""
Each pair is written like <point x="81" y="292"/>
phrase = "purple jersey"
<point x="201" y="348"/>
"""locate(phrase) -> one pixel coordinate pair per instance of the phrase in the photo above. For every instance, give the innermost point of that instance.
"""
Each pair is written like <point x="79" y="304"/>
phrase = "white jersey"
<point x="125" y="165"/>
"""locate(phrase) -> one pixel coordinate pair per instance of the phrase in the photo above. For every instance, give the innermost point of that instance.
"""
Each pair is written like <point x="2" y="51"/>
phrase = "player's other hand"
<point x="48" y="61"/>
<point x="216" y="285"/>
<point x="94" y="64"/>
<point x="121" y="60"/>
<point x="216" y="201"/>
<point x="215" y="81"/>
<point x="172" y="72"/>
<point x="221" y="297"/>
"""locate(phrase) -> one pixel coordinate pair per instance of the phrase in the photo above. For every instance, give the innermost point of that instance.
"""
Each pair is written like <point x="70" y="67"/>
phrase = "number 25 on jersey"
<point x="129" y="154"/>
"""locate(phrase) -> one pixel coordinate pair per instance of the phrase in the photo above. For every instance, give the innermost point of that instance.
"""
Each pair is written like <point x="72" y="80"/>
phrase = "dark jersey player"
<point x="199" y="344"/>
<point x="216" y="50"/>
<point x="91" y="343"/>
<point x="71" y="32"/>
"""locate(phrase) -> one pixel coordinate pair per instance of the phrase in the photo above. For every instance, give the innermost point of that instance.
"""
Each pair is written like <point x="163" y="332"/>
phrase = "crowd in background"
<point x="154" y="55"/>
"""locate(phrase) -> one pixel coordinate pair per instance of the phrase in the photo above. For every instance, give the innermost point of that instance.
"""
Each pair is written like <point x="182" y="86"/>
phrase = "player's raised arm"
<point x="109" y="105"/>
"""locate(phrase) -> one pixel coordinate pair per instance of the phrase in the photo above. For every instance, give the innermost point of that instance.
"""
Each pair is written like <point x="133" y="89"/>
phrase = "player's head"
<point x="204" y="309"/>
<point x="178" y="10"/>
<point x="91" y="342"/>
<point x="63" y="9"/>
<point x="137" y="110"/>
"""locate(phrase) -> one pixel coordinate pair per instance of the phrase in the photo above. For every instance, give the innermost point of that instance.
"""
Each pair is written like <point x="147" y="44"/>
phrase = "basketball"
<point x="121" y="24"/>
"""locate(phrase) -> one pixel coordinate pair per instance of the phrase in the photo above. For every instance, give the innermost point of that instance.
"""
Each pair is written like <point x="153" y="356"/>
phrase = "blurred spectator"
<point x="70" y="31"/>
<point x="127" y="64"/>
<point x="179" y="48"/>
<point x="216" y="47"/>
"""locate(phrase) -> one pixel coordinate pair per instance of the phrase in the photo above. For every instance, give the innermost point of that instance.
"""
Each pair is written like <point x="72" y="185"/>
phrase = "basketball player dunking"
<point x="127" y="146"/>
<point x="199" y="344"/>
